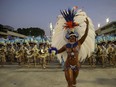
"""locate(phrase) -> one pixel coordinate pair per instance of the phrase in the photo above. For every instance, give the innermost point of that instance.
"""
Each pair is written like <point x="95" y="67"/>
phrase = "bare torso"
<point x="72" y="57"/>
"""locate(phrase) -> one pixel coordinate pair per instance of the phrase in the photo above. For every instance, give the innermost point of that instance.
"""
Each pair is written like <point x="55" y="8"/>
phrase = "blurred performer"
<point x="10" y="52"/>
<point x="103" y="55"/>
<point x="51" y="55"/>
<point x="48" y="56"/>
<point x="114" y="55"/>
<point x="92" y="59"/>
<point x="42" y="55"/>
<point x="35" y="53"/>
<point x="19" y="54"/>
<point x="74" y="38"/>
<point x="2" y="54"/>
<point x="15" y="48"/>
<point x="26" y="49"/>
<point x="110" y="51"/>
<point x="99" y="54"/>
<point x="30" y="54"/>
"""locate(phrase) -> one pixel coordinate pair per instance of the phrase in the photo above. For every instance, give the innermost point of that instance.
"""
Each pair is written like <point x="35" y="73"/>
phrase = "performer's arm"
<point x="57" y="51"/>
<point x="62" y="49"/>
<point x="86" y="32"/>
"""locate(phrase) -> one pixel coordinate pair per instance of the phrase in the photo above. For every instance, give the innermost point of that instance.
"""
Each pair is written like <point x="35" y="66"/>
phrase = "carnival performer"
<point x="19" y="54"/>
<point x="26" y="50"/>
<point x="92" y="59"/>
<point x="52" y="55"/>
<point x="35" y="53"/>
<point x="110" y="51"/>
<point x="10" y="52"/>
<point x="42" y="54"/>
<point x="74" y="38"/>
<point x="114" y="54"/>
<point x="2" y="54"/>
<point x="32" y="53"/>
<point x="103" y="55"/>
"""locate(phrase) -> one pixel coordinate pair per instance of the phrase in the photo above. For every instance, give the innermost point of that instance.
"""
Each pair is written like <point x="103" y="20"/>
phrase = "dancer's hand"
<point x="87" y="22"/>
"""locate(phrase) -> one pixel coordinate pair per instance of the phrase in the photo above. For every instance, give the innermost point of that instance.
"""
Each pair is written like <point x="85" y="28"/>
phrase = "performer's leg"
<point x="28" y="62"/>
<point x="103" y="61"/>
<point x="3" y="60"/>
<point x="97" y="59"/>
<point x="113" y="61"/>
<point x="19" y="61"/>
<point x="12" y="58"/>
<point x="44" y="62"/>
<point x="35" y="61"/>
<point x="90" y="61"/>
<point x="75" y="75"/>
<point x="69" y="77"/>
<point x="39" y="60"/>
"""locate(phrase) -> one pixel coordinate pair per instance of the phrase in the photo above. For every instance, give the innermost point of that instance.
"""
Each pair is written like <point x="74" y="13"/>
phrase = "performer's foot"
<point x="74" y="85"/>
<point x="28" y="66"/>
<point x="44" y="67"/>
<point x="103" y="66"/>
<point x="2" y="66"/>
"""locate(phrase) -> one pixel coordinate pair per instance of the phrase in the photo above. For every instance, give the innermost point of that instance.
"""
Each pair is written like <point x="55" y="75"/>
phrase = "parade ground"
<point x="14" y="76"/>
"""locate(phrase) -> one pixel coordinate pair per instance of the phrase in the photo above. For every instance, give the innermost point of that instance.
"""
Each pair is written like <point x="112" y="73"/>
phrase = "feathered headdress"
<point x="69" y="17"/>
<point x="70" y="23"/>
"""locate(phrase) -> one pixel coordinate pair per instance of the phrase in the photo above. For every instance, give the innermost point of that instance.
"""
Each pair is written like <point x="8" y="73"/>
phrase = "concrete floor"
<point x="14" y="76"/>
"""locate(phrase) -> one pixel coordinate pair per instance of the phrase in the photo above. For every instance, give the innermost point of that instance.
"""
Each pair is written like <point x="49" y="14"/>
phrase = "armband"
<point x="51" y="49"/>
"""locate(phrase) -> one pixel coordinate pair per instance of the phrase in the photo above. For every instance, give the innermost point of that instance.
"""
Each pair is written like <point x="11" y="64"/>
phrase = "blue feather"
<point x="68" y="15"/>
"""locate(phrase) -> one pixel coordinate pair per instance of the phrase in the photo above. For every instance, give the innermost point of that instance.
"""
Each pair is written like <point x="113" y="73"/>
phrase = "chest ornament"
<point x="69" y="45"/>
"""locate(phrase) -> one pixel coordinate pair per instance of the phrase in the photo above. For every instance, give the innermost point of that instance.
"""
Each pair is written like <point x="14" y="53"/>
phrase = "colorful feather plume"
<point x="69" y="17"/>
